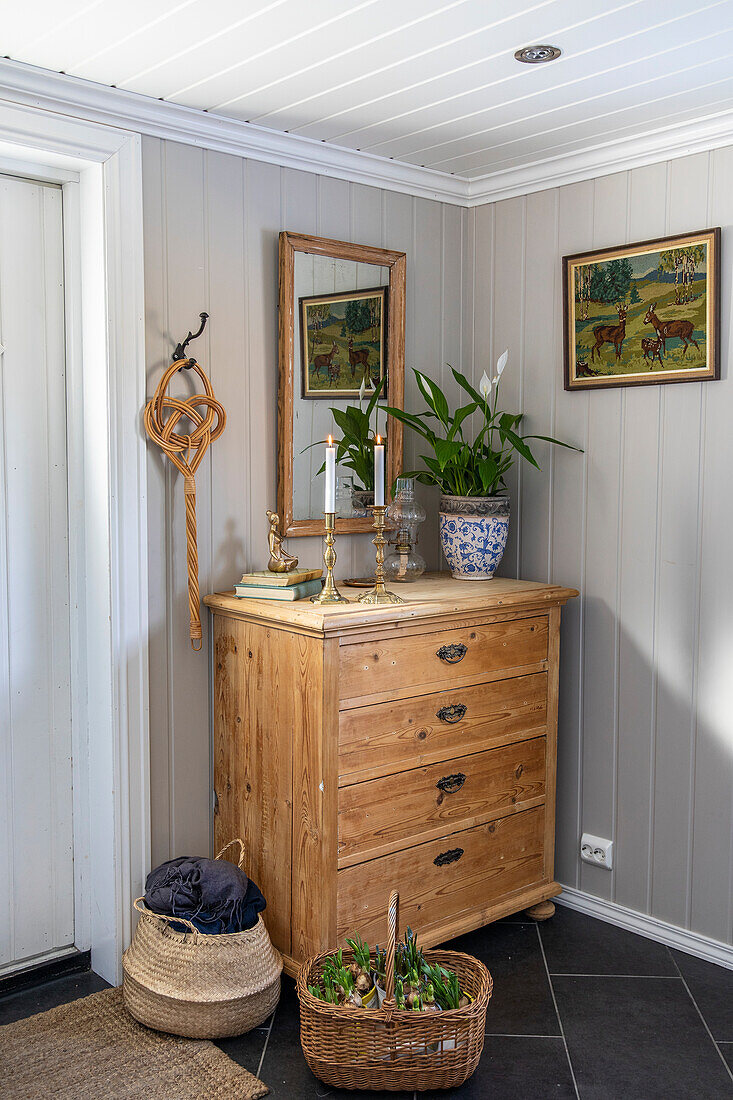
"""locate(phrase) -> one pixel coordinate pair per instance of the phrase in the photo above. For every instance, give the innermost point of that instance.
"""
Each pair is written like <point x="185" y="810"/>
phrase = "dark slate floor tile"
<point x="245" y="1050"/>
<point x="521" y="1003"/>
<point x="638" y="1038"/>
<point x="16" y="1006"/>
<point x="517" y="1068"/>
<point x="285" y="1072"/>
<point x="726" y="1049"/>
<point x="577" y="944"/>
<point x="712" y="988"/>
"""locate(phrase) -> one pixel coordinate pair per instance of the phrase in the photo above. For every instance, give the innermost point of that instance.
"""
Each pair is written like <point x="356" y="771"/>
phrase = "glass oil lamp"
<point x="404" y="516"/>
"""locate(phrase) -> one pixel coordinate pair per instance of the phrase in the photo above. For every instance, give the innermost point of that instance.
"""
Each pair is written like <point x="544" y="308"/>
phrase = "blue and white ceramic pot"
<point x="473" y="534"/>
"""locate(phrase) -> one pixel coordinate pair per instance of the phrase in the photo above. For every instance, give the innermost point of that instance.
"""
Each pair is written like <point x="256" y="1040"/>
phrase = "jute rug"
<point x="93" y="1048"/>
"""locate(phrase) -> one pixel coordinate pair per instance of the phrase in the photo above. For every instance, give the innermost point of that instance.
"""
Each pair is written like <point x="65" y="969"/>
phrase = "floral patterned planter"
<point x="473" y="534"/>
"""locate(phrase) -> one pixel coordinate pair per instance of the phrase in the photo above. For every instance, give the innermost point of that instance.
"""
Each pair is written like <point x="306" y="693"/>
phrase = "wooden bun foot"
<point x="543" y="910"/>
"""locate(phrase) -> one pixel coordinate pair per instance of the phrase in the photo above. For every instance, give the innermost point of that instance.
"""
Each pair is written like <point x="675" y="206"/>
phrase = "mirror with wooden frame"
<point x="342" y="323"/>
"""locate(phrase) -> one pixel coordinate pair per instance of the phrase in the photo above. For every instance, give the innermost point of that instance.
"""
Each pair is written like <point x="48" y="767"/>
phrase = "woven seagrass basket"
<point x="199" y="985"/>
<point x="387" y="1048"/>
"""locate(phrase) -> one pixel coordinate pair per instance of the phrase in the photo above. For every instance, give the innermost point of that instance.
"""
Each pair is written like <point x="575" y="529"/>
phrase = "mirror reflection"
<point x="340" y="344"/>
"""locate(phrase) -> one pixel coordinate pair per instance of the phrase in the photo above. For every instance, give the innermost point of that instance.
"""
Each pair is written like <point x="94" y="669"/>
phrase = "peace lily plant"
<point x="470" y="472"/>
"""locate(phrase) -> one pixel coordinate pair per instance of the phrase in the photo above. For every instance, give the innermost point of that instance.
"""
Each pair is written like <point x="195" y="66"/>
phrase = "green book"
<point x="291" y="592"/>
<point x="263" y="578"/>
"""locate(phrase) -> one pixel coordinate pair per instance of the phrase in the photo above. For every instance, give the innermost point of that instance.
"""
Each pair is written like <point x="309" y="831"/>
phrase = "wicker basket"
<point x="199" y="985"/>
<point x="391" y="1049"/>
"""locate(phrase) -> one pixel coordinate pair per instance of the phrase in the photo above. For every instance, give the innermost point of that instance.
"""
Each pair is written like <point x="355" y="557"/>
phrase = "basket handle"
<point x="393" y="912"/>
<point x="145" y="912"/>
<point x="240" y="842"/>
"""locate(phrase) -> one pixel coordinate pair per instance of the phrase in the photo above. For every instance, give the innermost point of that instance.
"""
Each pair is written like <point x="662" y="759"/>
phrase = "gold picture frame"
<point x="641" y="314"/>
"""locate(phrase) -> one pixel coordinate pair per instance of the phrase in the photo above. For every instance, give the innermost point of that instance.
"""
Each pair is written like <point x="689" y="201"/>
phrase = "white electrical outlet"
<point x="594" y="849"/>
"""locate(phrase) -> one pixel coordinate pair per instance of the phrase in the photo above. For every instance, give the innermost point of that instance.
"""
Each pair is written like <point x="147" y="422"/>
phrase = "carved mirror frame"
<point x="290" y="244"/>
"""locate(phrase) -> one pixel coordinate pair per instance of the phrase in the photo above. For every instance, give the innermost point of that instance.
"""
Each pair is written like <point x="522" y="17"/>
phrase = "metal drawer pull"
<point x="448" y="857"/>
<point x="452" y="654"/>
<point x="451" y="783"/>
<point x="452" y="713"/>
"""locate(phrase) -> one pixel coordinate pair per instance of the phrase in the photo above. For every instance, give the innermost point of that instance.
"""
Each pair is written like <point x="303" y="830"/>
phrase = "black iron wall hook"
<point x="180" y="352"/>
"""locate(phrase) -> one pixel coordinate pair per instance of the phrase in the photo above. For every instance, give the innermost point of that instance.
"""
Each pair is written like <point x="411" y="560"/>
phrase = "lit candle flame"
<point x="378" y="440"/>
<point x="330" y="441"/>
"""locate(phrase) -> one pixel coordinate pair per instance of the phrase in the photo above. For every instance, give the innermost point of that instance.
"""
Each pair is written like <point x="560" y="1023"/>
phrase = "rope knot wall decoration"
<point x="163" y="415"/>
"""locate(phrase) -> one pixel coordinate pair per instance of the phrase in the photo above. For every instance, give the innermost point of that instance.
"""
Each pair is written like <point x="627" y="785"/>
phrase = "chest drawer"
<point x="468" y="870"/>
<point x="406" y="733"/>
<point x="464" y="655"/>
<point x="402" y="809"/>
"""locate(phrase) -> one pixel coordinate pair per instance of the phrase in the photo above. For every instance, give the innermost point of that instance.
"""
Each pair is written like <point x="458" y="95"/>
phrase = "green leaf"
<point x="445" y="451"/>
<point x="434" y="396"/>
<point x="519" y="445"/>
<point x="489" y="475"/>
<point x="460" y="416"/>
<point x="557" y="442"/>
<point x="411" y="421"/>
<point x="466" y="385"/>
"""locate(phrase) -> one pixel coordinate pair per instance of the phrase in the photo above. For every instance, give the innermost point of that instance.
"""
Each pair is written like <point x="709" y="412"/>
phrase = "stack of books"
<point x="264" y="585"/>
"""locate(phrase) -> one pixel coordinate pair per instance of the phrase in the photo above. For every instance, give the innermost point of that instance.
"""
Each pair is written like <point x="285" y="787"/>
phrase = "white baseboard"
<point x="654" y="929"/>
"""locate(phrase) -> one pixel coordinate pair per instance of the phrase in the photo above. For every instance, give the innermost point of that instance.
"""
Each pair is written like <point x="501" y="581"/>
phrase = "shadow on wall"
<point x="631" y="750"/>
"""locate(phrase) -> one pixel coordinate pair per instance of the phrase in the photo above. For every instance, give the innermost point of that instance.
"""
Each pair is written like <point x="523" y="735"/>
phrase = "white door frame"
<point x="99" y="168"/>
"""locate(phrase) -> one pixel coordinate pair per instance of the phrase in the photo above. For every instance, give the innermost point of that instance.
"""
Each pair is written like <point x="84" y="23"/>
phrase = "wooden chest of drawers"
<point x="359" y="749"/>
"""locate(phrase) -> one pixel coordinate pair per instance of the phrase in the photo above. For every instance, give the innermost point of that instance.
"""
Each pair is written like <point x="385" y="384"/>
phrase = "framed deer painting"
<point x="343" y="342"/>
<point x="644" y="313"/>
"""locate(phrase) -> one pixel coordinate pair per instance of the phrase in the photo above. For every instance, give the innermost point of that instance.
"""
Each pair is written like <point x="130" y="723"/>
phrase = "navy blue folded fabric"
<point x="212" y="893"/>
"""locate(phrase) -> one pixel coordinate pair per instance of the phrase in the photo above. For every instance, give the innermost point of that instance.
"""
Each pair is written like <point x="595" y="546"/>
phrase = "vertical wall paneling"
<point x="641" y="524"/>
<point x="539" y="341"/>
<point x="211" y="229"/>
<point x="508" y="332"/>
<point x="687" y="202"/>
<point x="711" y="907"/>
<point x="427" y="336"/>
<point x="569" y="530"/>
<point x="640" y="477"/>
<point x="605" y="430"/>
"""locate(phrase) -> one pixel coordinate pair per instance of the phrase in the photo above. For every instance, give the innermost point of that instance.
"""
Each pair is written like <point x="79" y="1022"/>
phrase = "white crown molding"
<point x="68" y="95"/>
<point x="97" y="103"/>
<point x="693" y="943"/>
<point x="666" y="143"/>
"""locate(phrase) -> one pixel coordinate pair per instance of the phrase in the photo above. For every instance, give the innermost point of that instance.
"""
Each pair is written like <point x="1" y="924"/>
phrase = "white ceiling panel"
<point x="427" y="82"/>
<point x="632" y="83"/>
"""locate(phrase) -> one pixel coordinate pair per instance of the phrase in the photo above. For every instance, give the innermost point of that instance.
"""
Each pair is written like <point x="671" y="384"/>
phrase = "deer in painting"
<point x="667" y="329"/>
<point x="652" y="350"/>
<point x="324" y="362"/>
<point x="358" y="358"/>
<point x="611" y="334"/>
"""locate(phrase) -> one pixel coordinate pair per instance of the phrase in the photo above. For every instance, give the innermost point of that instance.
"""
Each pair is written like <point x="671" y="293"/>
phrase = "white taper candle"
<point x="330" y="501"/>
<point x="379" y="472"/>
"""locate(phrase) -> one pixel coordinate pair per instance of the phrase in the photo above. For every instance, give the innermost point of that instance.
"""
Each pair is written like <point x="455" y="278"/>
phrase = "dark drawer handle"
<point x="451" y="783"/>
<point x="448" y="857"/>
<point x="452" y="713"/>
<point x="452" y="654"/>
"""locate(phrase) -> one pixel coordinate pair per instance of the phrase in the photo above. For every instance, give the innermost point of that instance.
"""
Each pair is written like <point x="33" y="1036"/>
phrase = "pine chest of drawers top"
<point x="436" y="596"/>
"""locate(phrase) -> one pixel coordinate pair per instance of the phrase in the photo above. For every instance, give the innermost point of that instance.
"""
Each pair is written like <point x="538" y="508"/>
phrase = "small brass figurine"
<point x="280" y="561"/>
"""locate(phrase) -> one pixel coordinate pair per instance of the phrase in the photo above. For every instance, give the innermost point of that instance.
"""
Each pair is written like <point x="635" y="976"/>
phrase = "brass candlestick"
<point x="379" y="593"/>
<point x="329" y="593"/>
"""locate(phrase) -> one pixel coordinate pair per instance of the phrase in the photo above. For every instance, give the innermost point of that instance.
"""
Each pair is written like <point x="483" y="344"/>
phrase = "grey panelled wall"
<point x="642" y="524"/>
<point x="211" y="227"/>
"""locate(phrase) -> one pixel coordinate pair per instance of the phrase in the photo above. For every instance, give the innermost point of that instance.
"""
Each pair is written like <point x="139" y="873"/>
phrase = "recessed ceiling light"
<point x="535" y="55"/>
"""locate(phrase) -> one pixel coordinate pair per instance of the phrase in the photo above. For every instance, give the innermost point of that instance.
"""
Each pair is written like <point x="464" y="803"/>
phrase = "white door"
<point x="36" y="796"/>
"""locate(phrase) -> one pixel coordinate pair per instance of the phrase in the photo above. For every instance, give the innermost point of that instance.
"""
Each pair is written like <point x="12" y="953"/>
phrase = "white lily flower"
<point x="485" y="386"/>
<point x="362" y="389"/>
<point x="501" y="363"/>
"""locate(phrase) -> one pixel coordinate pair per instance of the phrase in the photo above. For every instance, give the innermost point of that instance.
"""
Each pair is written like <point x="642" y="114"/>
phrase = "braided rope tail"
<point x="186" y="453"/>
